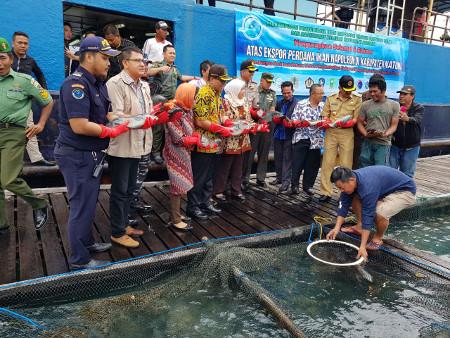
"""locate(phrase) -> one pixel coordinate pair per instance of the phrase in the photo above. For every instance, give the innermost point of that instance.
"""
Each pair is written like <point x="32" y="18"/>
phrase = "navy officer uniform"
<point x="83" y="96"/>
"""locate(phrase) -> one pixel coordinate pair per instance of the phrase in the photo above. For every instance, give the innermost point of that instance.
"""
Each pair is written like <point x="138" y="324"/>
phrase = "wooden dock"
<point x="28" y="254"/>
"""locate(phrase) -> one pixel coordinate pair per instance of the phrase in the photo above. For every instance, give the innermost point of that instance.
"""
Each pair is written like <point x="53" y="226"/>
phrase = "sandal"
<point x="351" y="230"/>
<point x="372" y="245"/>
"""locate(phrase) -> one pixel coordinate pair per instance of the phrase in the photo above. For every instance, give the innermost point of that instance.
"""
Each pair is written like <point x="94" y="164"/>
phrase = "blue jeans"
<point x="404" y="159"/>
<point x="373" y="154"/>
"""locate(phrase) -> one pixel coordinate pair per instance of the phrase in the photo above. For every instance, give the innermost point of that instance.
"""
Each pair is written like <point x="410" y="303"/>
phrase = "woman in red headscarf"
<point x="180" y="138"/>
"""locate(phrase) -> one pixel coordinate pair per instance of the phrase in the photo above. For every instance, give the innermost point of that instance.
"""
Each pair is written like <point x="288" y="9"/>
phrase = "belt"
<point x="9" y="125"/>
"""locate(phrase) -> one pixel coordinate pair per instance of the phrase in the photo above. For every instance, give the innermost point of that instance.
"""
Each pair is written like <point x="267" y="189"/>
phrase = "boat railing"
<point x="361" y="13"/>
<point x="426" y="26"/>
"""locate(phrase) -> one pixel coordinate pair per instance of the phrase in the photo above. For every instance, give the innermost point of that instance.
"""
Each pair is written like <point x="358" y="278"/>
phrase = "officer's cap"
<point x="347" y="83"/>
<point x="248" y="64"/>
<point x="219" y="72"/>
<point x="97" y="44"/>
<point x="267" y="76"/>
<point x="4" y="46"/>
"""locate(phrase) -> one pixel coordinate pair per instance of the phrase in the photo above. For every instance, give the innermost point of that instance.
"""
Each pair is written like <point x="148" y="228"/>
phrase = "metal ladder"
<point x="390" y="9"/>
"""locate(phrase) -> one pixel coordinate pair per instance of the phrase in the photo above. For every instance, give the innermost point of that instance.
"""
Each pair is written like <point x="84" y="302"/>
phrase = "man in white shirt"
<point x="153" y="48"/>
<point x="204" y="72"/>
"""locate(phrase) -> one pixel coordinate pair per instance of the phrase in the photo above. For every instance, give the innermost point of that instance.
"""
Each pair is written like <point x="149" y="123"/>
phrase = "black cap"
<point x="249" y="64"/>
<point x="408" y="90"/>
<point x="97" y="44"/>
<point x="220" y="72"/>
<point x="347" y="83"/>
<point x="267" y="76"/>
<point x="162" y="25"/>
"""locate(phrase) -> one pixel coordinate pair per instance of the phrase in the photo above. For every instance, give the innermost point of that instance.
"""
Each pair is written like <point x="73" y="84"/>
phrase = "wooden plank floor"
<point x="28" y="254"/>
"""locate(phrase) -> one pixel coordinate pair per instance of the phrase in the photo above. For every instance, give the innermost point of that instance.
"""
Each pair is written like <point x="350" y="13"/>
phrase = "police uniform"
<point x="16" y="93"/>
<point x="338" y="140"/>
<point x="261" y="141"/>
<point x="81" y="96"/>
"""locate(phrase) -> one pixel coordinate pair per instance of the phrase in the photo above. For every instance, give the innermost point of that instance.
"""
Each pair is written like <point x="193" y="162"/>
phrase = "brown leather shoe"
<point x="126" y="241"/>
<point x="130" y="231"/>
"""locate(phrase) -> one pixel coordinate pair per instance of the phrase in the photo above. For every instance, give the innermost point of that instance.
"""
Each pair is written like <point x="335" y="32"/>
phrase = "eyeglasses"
<point x="136" y="60"/>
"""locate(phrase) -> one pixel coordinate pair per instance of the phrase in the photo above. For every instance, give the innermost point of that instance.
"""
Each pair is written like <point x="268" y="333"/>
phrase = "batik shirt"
<point x="304" y="111"/>
<point x="208" y="107"/>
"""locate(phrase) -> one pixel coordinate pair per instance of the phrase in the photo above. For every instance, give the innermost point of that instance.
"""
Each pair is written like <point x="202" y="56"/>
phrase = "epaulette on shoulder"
<point x="357" y="94"/>
<point x="25" y="76"/>
<point x="77" y="74"/>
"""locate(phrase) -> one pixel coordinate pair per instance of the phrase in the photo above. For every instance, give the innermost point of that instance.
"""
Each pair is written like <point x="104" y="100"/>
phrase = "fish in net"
<point x="336" y="253"/>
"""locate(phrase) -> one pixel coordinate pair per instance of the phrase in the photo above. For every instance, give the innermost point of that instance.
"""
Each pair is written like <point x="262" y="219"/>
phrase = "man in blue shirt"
<point x="282" y="142"/>
<point x="376" y="193"/>
<point x="84" y="106"/>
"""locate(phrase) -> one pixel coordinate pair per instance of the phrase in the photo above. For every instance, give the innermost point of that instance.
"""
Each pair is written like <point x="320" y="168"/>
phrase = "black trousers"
<point x="229" y="167"/>
<point x="203" y="165"/>
<point x="307" y="161"/>
<point x="283" y="160"/>
<point x="261" y="145"/>
<point x="123" y="183"/>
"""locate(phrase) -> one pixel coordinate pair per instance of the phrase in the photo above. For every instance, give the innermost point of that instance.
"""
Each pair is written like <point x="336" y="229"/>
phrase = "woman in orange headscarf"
<point x="180" y="138"/>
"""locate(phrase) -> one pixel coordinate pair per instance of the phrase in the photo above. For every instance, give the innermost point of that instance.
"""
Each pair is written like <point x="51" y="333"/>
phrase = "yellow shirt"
<point x="336" y="107"/>
<point x="208" y="107"/>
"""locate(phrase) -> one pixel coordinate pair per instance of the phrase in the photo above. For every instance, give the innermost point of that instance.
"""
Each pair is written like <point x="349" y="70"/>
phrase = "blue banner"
<point x="306" y="53"/>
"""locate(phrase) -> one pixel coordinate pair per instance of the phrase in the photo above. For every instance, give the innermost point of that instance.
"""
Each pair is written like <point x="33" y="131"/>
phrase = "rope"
<point x="23" y="318"/>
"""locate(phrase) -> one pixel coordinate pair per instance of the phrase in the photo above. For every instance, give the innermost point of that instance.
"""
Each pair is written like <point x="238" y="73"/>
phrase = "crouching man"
<point x="376" y="193"/>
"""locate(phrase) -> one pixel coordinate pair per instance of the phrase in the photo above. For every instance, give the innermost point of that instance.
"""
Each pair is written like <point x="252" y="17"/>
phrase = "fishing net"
<point x="425" y="206"/>
<point x="190" y="293"/>
<point x="336" y="253"/>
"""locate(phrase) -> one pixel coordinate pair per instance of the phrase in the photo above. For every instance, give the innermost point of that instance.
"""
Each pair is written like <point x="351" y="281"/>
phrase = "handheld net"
<point x="336" y="253"/>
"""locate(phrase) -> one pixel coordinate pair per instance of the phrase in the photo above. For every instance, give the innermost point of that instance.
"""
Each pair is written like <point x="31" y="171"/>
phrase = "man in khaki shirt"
<point x="338" y="140"/>
<point x="129" y="96"/>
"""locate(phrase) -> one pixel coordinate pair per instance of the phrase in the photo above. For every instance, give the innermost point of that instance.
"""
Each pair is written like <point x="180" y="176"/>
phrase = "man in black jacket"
<point x="406" y="140"/>
<point x="23" y="63"/>
<point x="282" y="142"/>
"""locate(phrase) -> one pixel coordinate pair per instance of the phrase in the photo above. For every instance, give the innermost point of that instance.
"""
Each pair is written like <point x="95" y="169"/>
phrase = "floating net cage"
<point x="425" y="206"/>
<point x="152" y="282"/>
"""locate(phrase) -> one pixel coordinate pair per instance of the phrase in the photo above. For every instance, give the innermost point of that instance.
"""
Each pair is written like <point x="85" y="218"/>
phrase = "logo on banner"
<point x="309" y="82"/>
<point x="322" y="81"/>
<point x="251" y="27"/>
<point x="332" y="83"/>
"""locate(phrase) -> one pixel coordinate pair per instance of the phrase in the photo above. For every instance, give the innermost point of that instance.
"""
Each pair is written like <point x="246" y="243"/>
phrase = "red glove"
<point x="113" y="132"/>
<point x="325" y="123"/>
<point x="277" y="119"/>
<point x="163" y="117"/>
<point x="262" y="128"/>
<point x="348" y="124"/>
<point x="189" y="141"/>
<point x="157" y="108"/>
<point x="152" y="120"/>
<point x="174" y="115"/>
<point x="300" y="124"/>
<point x="288" y="124"/>
<point x="218" y="129"/>
<point x="257" y="113"/>
<point x="228" y="123"/>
